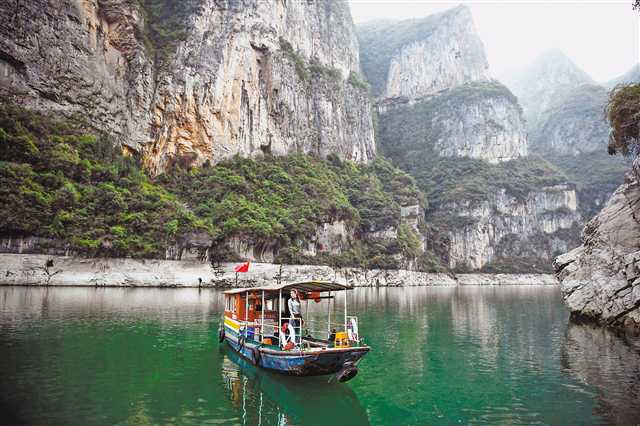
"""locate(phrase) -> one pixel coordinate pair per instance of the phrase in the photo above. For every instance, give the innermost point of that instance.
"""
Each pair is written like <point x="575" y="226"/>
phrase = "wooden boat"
<point x="257" y="324"/>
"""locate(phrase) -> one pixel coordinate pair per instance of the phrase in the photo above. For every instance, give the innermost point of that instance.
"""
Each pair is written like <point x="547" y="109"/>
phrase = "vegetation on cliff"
<point x="595" y="174"/>
<point x="623" y="112"/>
<point x="59" y="182"/>
<point x="63" y="183"/>
<point x="166" y="24"/>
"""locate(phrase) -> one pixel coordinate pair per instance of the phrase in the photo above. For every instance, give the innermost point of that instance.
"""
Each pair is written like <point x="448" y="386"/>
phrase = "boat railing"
<point x="265" y="330"/>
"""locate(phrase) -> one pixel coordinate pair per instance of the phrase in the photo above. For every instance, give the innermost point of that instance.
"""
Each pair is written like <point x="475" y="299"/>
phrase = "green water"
<point x="440" y="356"/>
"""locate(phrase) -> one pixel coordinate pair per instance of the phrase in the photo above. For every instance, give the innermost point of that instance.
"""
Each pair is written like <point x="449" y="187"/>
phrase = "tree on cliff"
<point x="623" y="112"/>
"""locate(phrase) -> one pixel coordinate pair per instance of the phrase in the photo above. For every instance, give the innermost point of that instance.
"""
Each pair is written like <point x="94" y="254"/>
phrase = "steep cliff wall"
<point x="418" y="58"/>
<point x="567" y="127"/>
<point x="463" y="137"/>
<point x="476" y="120"/>
<point x="505" y="227"/>
<point x="248" y="79"/>
<point x="82" y="58"/>
<point x="601" y="278"/>
<point x="573" y="124"/>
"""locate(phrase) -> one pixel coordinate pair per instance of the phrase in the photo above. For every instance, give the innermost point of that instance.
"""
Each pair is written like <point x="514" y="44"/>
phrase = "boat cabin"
<point x="261" y="315"/>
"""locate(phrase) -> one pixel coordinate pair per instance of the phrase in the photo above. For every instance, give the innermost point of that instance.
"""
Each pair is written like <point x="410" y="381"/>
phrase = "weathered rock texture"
<point x="419" y="58"/>
<point x="475" y="120"/>
<point x="601" y="279"/>
<point x="438" y="105"/>
<point x="567" y="126"/>
<point x="506" y="226"/>
<point x="450" y="55"/>
<point x="16" y="269"/>
<point x="573" y="124"/>
<point x="249" y="79"/>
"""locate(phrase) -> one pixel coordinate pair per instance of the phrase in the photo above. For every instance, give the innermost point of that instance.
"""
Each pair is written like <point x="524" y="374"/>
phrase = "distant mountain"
<point x="566" y="124"/>
<point x="574" y="123"/>
<point x="549" y="78"/>
<point x="631" y="76"/>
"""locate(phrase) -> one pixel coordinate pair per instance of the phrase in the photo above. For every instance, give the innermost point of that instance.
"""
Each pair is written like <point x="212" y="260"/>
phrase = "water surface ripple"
<point x="440" y="356"/>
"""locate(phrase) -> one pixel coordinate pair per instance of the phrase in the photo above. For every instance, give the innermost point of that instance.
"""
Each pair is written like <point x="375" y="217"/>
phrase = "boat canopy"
<point x="305" y="286"/>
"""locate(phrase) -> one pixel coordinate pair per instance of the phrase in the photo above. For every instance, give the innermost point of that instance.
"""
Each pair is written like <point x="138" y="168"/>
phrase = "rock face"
<point x="573" y="124"/>
<point x="437" y="105"/>
<point x="567" y="127"/>
<point x="504" y="226"/>
<point x="419" y="58"/>
<point x="475" y="120"/>
<point x="601" y="279"/>
<point x="450" y="55"/>
<point x="246" y="80"/>
<point x="79" y="58"/>
<point x="16" y="269"/>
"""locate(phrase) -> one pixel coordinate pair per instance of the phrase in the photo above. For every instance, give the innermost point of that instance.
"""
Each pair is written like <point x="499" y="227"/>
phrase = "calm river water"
<point x="440" y="356"/>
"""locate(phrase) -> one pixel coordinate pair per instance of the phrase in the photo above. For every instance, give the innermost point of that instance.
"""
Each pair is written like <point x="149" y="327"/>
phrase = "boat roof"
<point x="306" y="286"/>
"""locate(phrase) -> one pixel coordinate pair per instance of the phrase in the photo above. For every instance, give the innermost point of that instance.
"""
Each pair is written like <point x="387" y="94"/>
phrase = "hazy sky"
<point x="601" y="37"/>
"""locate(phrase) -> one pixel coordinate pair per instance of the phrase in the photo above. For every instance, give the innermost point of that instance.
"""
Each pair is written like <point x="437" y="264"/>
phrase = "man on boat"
<point x="294" y="311"/>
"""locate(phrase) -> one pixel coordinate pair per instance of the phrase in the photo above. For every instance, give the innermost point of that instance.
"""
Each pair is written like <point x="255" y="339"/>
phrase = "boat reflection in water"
<point x="267" y="398"/>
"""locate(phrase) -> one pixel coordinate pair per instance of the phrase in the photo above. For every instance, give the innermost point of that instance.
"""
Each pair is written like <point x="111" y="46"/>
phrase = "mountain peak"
<point x="421" y="57"/>
<point x="550" y="76"/>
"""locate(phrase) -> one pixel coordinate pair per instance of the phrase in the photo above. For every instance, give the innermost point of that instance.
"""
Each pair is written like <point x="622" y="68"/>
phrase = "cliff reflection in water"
<point x="466" y="355"/>
<point x="609" y="363"/>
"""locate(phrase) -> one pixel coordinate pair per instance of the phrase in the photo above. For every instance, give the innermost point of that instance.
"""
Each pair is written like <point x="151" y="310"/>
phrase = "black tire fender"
<point x="347" y="373"/>
<point x="221" y="335"/>
<point x="257" y="356"/>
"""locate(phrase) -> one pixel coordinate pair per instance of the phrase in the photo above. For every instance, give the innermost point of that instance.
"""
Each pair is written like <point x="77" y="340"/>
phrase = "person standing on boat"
<point x="294" y="311"/>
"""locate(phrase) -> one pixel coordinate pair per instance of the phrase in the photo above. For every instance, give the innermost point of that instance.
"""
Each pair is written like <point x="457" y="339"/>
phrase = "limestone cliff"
<point x="243" y="79"/>
<point x="505" y="226"/>
<point x="418" y="58"/>
<point x="566" y="126"/>
<point x="476" y="120"/>
<point x="601" y="278"/>
<point x="463" y="137"/>
<point x="573" y="124"/>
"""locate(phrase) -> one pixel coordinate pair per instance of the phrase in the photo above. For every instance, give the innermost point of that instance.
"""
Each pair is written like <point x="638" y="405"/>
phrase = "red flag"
<point x="243" y="267"/>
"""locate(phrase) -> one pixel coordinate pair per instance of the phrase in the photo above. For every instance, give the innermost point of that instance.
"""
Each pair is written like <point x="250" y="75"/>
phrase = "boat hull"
<point x="298" y="363"/>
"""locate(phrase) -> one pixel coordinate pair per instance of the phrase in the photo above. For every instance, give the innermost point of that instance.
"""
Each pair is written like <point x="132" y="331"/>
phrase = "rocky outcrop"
<point x="79" y="58"/>
<point x="451" y="54"/>
<point x="476" y="120"/>
<point x="601" y="279"/>
<point x="419" y="58"/>
<point x="261" y="78"/>
<point x="18" y="269"/>
<point x="505" y="219"/>
<point x="574" y="124"/>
